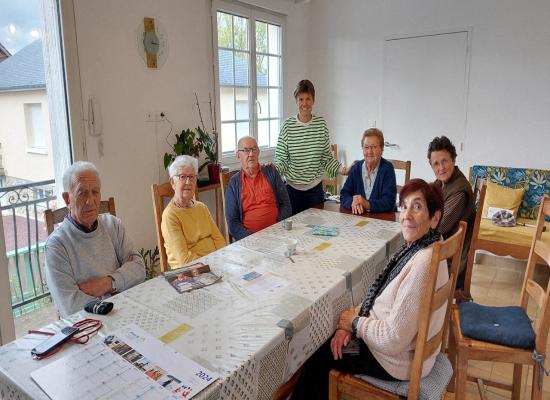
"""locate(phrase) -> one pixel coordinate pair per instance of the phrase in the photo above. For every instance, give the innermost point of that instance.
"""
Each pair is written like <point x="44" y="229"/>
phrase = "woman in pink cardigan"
<point x="377" y="338"/>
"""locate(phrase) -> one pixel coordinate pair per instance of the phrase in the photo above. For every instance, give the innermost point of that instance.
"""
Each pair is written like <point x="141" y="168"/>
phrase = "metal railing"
<point x="22" y="207"/>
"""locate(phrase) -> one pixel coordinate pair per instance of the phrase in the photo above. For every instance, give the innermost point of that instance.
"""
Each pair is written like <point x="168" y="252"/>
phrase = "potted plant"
<point x="186" y="143"/>
<point x="209" y="142"/>
<point x="210" y="147"/>
<point x="194" y="142"/>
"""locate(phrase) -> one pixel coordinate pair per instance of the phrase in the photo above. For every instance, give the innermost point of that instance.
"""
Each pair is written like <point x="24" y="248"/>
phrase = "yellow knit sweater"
<point x="189" y="233"/>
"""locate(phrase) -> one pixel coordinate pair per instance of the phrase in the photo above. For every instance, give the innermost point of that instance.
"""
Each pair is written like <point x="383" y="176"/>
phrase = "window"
<point x="35" y="126"/>
<point x="249" y="76"/>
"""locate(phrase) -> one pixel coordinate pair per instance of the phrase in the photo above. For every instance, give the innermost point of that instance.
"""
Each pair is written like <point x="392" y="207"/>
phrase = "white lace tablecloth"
<point x="254" y="341"/>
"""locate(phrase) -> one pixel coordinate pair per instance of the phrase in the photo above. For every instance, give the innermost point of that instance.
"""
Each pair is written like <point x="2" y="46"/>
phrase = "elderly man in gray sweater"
<point x="88" y="256"/>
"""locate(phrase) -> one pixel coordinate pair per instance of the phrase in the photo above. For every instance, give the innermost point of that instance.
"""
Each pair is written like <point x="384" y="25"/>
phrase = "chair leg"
<point x="468" y="272"/>
<point x="536" y="391"/>
<point x="333" y="384"/>
<point x="451" y="351"/>
<point x="516" y="383"/>
<point x="461" y="373"/>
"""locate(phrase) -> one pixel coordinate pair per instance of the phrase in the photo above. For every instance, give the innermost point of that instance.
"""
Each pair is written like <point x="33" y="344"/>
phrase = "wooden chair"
<point x="346" y="386"/>
<point x="479" y="196"/>
<point x="462" y="349"/>
<point x="402" y="165"/>
<point x="54" y="217"/>
<point x="224" y="181"/>
<point x="332" y="182"/>
<point x="161" y="193"/>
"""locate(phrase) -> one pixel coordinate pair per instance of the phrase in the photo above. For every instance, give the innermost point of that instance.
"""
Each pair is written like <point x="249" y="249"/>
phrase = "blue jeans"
<point x="303" y="199"/>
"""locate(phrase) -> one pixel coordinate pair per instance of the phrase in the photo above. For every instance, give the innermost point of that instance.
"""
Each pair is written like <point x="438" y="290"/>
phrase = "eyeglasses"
<point x="185" y="178"/>
<point x="249" y="150"/>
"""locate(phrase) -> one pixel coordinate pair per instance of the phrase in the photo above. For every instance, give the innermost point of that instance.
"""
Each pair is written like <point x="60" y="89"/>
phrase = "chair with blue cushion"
<point x="505" y="334"/>
<point x="433" y="386"/>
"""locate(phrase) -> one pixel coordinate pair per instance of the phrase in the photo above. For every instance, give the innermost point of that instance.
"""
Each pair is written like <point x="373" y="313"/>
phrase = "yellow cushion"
<point x="502" y="197"/>
<point x="520" y="235"/>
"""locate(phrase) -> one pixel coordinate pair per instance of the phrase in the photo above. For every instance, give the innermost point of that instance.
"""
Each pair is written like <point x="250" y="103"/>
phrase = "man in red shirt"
<point x="256" y="196"/>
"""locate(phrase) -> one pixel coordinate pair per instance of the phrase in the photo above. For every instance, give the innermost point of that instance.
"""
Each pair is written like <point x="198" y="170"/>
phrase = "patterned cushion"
<point x="536" y="183"/>
<point x="432" y="386"/>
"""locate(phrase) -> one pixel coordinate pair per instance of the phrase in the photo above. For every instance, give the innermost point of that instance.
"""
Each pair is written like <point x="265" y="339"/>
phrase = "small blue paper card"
<point x="320" y="230"/>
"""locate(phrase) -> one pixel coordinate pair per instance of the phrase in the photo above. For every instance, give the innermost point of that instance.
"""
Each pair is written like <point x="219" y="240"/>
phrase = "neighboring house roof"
<point x="4" y="53"/>
<point x="241" y="70"/>
<point x="24" y="70"/>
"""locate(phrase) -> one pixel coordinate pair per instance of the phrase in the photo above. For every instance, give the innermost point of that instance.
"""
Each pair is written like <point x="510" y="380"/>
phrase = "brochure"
<point x="189" y="277"/>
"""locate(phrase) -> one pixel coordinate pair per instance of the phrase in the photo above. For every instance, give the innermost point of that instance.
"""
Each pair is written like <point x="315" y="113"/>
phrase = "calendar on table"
<point x="128" y="364"/>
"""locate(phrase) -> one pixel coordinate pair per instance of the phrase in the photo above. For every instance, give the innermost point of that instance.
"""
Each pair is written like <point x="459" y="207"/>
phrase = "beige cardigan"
<point x="390" y="329"/>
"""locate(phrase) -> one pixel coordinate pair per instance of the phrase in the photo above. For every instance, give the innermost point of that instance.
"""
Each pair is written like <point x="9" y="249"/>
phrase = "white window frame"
<point x="253" y="14"/>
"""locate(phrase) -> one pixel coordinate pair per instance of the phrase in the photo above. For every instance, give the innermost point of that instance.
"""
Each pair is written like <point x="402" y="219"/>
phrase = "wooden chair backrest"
<point x="332" y="182"/>
<point x="54" y="217"/>
<point x="540" y="251"/>
<point x="435" y="299"/>
<point x="224" y="181"/>
<point x="405" y="166"/>
<point x="161" y="193"/>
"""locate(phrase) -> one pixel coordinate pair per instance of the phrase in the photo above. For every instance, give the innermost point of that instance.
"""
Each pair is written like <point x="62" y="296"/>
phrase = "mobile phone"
<point x="54" y="341"/>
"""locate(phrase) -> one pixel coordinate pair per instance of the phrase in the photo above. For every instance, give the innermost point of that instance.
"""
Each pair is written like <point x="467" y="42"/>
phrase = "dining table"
<point x="256" y="327"/>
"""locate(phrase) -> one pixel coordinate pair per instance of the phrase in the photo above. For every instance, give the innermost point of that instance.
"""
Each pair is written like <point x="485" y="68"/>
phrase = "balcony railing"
<point x="22" y="209"/>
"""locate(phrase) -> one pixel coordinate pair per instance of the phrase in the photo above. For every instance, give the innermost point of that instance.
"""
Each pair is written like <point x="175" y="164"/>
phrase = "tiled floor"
<point x="498" y="281"/>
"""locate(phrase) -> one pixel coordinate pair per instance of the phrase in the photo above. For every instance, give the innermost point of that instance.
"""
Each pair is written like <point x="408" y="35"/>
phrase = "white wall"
<point x="113" y="73"/>
<point x="507" y="115"/>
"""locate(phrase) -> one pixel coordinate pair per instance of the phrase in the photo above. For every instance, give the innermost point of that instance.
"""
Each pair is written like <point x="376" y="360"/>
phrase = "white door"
<point x="424" y="95"/>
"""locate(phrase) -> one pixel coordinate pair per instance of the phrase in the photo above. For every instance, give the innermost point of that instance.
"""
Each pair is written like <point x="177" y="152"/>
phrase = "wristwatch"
<point x="113" y="283"/>
<point x="354" y="324"/>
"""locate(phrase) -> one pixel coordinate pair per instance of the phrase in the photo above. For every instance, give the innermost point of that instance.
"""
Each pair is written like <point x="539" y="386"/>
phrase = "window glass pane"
<point x="225" y="30"/>
<point x="225" y="67"/>
<point x="241" y="68"/>
<point x="243" y="129"/>
<point x="35" y="126"/>
<point x="274" y="103"/>
<point x="261" y="37"/>
<point x="263" y="133"/>
<point x="261" y="70"/>
<point x="228" y="137"/>
<point x="227" y="103"/>
<point x="273" y="39"/>
<point x="242" y="102"/>
<point x="273" y="71"/>
<point x="263" y="107"/>
<point x="240" y="32"/>
<point x="273" y="132"/>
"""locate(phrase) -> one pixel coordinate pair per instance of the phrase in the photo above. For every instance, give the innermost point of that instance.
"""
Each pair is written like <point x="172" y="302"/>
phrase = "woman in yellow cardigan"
<point x="187" y="226"/>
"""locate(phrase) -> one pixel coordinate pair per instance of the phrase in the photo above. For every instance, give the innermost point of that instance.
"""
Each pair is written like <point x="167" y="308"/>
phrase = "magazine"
<point x="189" y="277"/>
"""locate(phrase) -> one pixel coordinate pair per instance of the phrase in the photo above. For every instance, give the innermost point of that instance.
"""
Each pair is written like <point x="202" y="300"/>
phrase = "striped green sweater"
<point x="303" y="151"/>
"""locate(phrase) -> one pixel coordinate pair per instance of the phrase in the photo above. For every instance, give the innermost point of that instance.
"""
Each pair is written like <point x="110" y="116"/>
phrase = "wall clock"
<point x="152" y="42"/>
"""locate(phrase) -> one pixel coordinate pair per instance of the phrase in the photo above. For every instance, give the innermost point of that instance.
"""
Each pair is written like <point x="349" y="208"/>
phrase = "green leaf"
<point x="167" y="160"/>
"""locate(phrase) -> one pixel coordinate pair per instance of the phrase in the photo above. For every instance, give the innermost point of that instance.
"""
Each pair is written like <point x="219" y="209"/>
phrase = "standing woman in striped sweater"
<point x="303" y="153"/>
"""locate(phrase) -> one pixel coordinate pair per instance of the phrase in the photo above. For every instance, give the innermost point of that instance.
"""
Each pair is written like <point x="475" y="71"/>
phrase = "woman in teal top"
<point x="303" y="153"/>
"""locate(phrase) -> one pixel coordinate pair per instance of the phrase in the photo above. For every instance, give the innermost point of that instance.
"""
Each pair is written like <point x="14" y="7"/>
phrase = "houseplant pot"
<point x="214" y="172"/>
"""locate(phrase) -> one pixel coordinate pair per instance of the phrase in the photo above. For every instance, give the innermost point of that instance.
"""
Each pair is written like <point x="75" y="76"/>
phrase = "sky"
<point x="20" y="23"/>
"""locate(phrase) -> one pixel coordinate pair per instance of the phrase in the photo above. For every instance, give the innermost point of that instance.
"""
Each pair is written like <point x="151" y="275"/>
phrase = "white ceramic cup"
<point x="291" y="246"/>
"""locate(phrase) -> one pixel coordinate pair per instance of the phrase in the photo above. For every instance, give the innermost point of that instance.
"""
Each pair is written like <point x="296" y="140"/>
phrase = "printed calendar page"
<point x="128" y="364"/>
